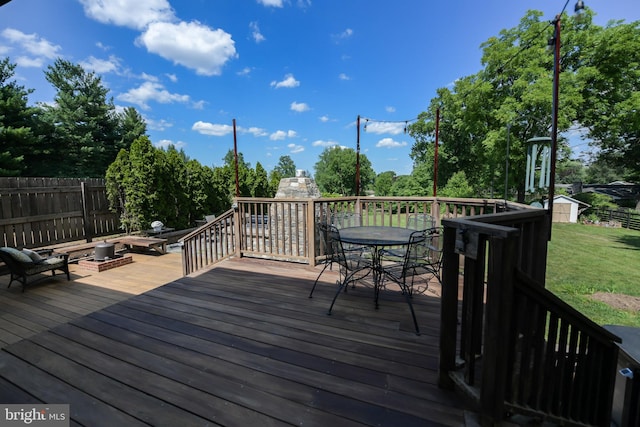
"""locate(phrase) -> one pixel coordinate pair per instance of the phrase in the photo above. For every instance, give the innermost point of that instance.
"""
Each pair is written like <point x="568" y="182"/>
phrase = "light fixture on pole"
<point x="554" y="113"/>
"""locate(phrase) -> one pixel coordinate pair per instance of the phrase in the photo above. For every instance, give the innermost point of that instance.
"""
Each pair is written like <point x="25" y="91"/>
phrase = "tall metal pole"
<point x="358" y="157"/>
<point x="554" y="124"/>
<point x="235" y="156"/>
<point x="435" y="158"/>
<point x="506" y="165"/>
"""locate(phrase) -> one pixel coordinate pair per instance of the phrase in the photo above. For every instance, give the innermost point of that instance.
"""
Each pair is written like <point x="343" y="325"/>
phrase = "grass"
<point x="586" y="259"/>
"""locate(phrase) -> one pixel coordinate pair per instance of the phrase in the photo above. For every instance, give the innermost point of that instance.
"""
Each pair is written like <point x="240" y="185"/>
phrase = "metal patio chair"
<point x="351" y="261"/>
<point x="421" y="261"/>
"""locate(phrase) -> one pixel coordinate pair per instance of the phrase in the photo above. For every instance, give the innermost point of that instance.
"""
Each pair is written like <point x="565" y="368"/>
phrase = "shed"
<point x="566" y="209"/>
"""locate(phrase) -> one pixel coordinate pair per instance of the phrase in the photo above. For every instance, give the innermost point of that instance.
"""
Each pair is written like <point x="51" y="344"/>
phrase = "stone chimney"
<point x="289" y="238"/>
<point x="298" y="187"/>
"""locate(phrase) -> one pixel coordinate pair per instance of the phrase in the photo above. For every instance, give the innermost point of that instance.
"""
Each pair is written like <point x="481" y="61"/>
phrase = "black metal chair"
<point x="422" y="259"/>
<point x="420" y="221"/>
<point x="351" y="261"/>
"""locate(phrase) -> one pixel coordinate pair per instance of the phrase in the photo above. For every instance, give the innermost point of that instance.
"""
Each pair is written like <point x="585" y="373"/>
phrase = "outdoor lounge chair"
<point x="22" y="264"/>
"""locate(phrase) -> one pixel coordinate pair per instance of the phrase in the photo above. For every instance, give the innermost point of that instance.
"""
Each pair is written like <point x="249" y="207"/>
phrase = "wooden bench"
<point x="86" y="250"/>
<point x="158" y="244"/>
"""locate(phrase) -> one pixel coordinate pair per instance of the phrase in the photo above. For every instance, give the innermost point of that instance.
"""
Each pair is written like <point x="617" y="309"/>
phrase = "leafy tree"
<point x="422" y="175"/>
<point x="596" y="200"/>
<point x="16" y="119"/>
<point x="405" y="186"/>
<point x="200" y="191"/>
<point x="610" y="82"/>
<point x="81" y="128"/>
<point x="274" y="182"/>
<point x="260" y="185"/>
<point x="384" y="183"/>
<point x="132" y="185"/>
<point x="286" y="167"/>
<point x="603" y="171"/>
<point x="244" y="174"/>
<point x="570" y="171"/>
<point x="336" y="171"/>
<point x="173" y="205"/>
<point x="512" y="93"/>
<point x="457" y="186"/>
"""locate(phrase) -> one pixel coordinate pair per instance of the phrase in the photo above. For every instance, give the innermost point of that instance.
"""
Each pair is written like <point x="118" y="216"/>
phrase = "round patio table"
<point x="376" y="237"/>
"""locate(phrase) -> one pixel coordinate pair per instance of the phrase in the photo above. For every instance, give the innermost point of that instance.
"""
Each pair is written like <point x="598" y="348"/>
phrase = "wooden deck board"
<point x="241" y="344"/>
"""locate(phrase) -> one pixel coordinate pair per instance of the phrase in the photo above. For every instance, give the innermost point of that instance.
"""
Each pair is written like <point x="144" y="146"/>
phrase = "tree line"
<point x="509" y="101"/>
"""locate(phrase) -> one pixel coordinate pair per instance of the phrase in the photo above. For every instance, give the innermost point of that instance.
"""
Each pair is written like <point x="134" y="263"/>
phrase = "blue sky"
<point x="295" y="74"/>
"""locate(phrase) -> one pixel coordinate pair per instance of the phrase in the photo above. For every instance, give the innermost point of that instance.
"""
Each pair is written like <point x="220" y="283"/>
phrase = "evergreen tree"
<point x="16" y="120"/>
<point x="81" y="129"/>
<point x="260" y="184"/>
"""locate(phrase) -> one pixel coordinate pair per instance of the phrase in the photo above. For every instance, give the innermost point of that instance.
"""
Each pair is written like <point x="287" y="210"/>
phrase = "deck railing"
<point x="508" y="342"/>
<point x="285" y="229"/>
<point x="210" y="243"/>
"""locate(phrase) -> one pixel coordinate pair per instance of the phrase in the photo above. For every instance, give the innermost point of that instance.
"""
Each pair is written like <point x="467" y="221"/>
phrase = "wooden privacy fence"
<point x="37" y="212"/>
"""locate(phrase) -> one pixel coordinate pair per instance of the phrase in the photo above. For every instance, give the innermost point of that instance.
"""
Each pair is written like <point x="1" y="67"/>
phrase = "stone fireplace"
<point x="299" y="187"/>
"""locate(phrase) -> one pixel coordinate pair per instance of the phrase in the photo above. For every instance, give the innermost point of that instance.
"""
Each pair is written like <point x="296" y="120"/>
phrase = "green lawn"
<point x="586" y="259"/>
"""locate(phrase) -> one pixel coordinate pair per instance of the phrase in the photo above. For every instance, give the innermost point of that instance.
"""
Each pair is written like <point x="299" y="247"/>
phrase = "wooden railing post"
<point x="501" y="275"/>
<point x="238" y="235"/>
<point x="435" y="211"/>
<point x="448" y="309"/>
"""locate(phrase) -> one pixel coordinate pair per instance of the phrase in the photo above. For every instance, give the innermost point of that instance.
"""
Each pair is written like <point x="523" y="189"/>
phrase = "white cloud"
<point x="172" y="77"/>
<point x="128" y="13"/>
<point x="151" y="91"/>
<point x="343" y="35"/>
<point x="390" y="143"/>
<point x="215" y="129"/>
<point x="32" y="43"/>
<point x="343" y="76"/>
<point x="288" y="82"/>
<point x="390" y="109"/>
<point x="255" y="131"/>
<point x="165" y="143"/>
<point x="322" y="143"/>
<point x="392" y="128"/>
<point x="159" y="125"/>
<point x="101" y="66"/>
<point x="199" y="105"/>
<point x="255" y="32"/>
<point x="279" y="135"/>
<point x="149" y="77"/>
<point x="272" y="3"/>
<point x="24" y="61"/>
<point x="212" y="129"/>
<point x="190" y="44"/>
<point x="244" y="72"/>
<point x="324" y="119"/>
<point x="294" y="148"/>
<point x="299" y="107"/>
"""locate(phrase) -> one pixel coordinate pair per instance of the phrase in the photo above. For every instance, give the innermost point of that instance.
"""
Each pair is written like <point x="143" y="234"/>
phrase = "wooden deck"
<point x="239" y="345"/>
